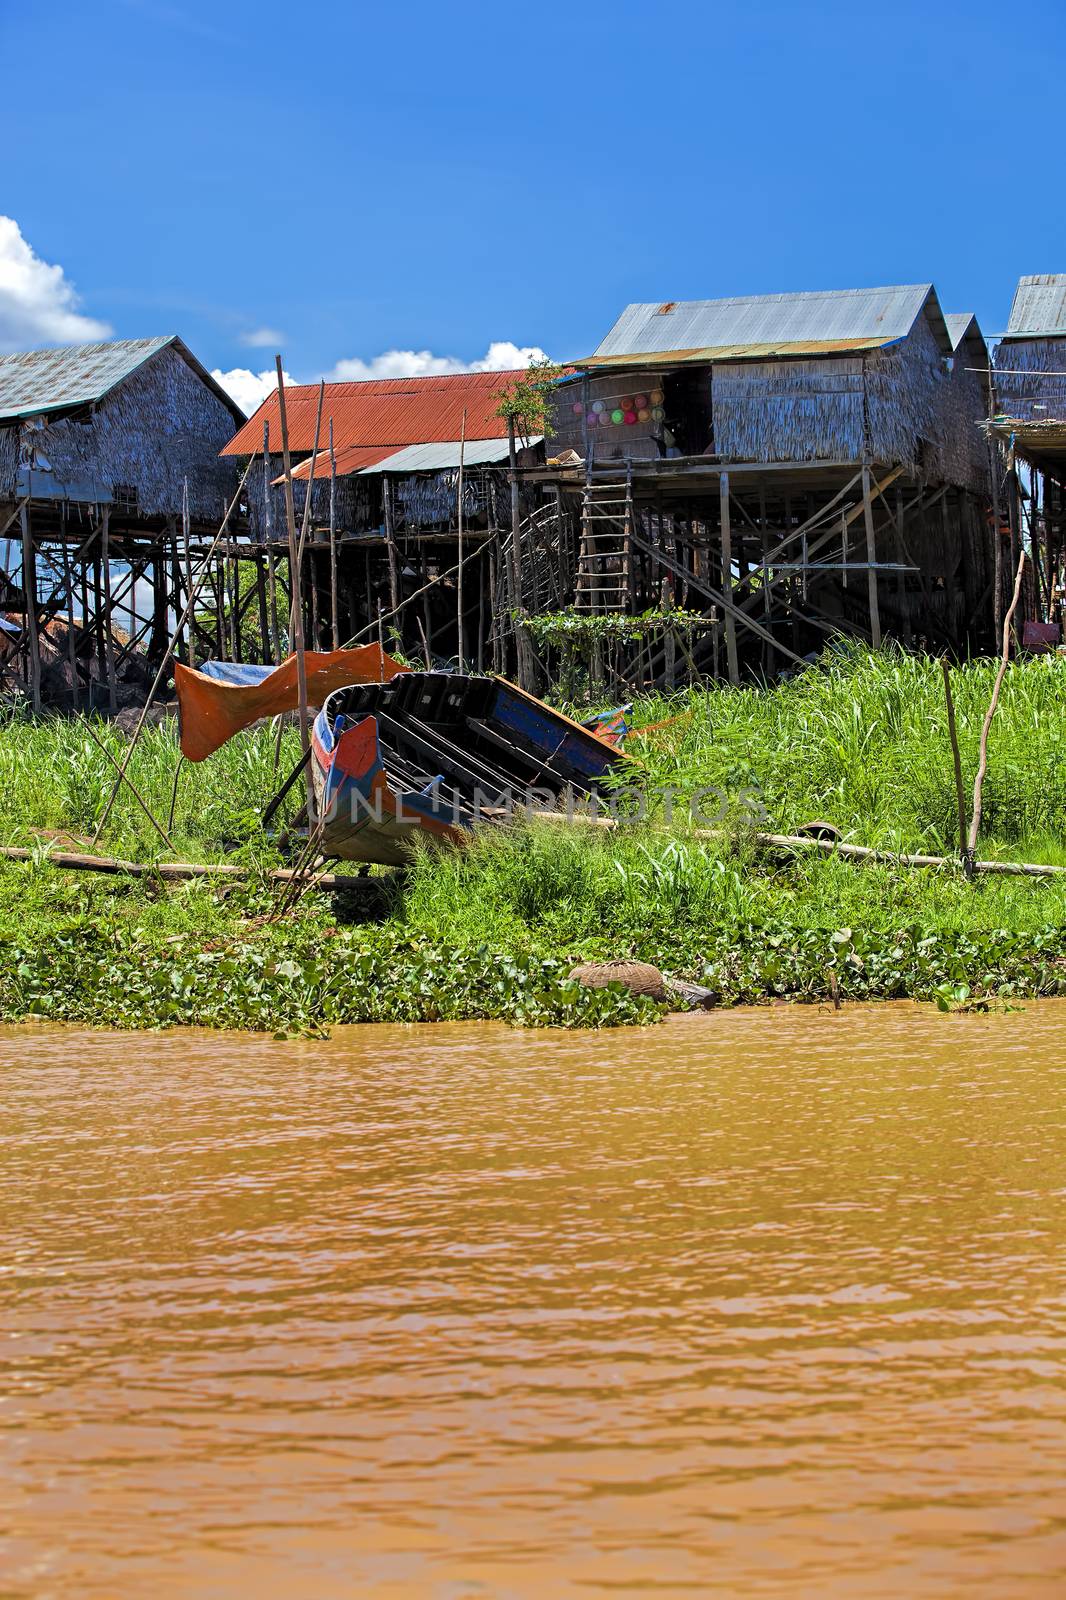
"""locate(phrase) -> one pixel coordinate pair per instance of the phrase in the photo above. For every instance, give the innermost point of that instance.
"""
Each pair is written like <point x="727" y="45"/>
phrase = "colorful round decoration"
<point x="593" y="419"/>
<point x="617" y="416"/>
<point x="578" y="408"/>
<point x="643" y="414"/>
<point x="640" y="402"/>
<point x="631" y="417"/>
<point x="657" y="413"/>
<point x="598" y="406"/>
<point x="626" y="402"/>
<point x="656" y="397"/>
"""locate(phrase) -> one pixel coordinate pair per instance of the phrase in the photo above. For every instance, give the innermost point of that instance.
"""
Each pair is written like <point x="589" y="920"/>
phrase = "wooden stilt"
<point x="871" y="558"/>
<point x="109" y="625"/>
<point x="459" y="618"/>
<point x="390" y="542"/>
<point x="333" y="619"/>
<point x="29" y="588"/>
<point x="295" y="574"/>
<point x="727" y="580"/>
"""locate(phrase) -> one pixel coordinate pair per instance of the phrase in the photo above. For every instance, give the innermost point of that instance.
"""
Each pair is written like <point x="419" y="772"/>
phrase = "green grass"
<point x="491" y="931"/>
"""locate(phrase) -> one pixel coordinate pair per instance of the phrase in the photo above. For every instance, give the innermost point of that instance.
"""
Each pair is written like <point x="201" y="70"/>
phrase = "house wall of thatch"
<point x="789" y="410"/>
<point x="9" y="461"/>
<point x="906" y="403"/>
<point x="924" y="410"/>
<point x="357" y="506"/>
<point x="159" y="427"/>
<point x="1023" y="388"/>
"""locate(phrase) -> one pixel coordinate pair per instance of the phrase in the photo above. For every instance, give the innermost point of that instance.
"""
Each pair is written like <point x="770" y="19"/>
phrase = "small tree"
<point x="525" y="404"/>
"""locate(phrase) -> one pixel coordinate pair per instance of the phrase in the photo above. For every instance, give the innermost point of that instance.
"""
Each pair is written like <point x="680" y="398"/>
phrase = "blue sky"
<point x="437" y="178"/>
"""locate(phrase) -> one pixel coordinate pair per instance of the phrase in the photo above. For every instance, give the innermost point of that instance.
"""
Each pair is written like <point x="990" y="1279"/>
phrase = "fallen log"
<point x="182" y="871"/>
<point x="828" y="847"/>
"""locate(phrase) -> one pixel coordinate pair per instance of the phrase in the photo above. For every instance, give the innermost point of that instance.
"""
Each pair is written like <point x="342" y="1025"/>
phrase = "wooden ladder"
<point x="605" y="563"/>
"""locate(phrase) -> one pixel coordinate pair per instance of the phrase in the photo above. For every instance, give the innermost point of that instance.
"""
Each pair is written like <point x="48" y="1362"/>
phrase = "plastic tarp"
<point x="222" y="697"/>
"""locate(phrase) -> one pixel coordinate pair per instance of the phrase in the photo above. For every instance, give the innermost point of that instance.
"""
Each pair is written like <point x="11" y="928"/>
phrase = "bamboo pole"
<point x="982" y="759"/>
<point x="296" y="618"/>
<point x="168" y="652"/>
<point x="124" y="777"/>
<point x="459" y="517"/>
<point x="186" y="539"/>
<point x="960" y="795"/>
<point x="334" y="625"/>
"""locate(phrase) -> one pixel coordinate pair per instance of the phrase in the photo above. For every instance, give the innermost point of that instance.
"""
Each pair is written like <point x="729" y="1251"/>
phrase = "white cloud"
<point x="248" y="388"/>
<point x="262" y="338"/>
<point x="499" y="357"/>
<point x="38" y="306"/>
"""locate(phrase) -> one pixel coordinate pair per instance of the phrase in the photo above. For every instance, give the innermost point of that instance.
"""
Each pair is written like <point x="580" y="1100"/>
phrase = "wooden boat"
<point x="432" y="754"/>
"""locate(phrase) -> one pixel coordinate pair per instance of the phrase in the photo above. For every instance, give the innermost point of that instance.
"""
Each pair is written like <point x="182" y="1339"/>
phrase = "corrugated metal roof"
<point x="439" y="457"/>
<point x="1039" y="307"/>
<point x="738" y="352"/>
<point x="849" y="318"/>
<point x="33" y="382"/>
<point x="436" y="457"/>
<point x="958" y="325"/>
<point x="382" y="413"/>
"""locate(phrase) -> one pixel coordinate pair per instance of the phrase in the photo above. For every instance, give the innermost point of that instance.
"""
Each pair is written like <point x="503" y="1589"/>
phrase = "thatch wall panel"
<point x="788" y="410"/>
<point x="1023" y="389"/>
<point x="9" y="461"/>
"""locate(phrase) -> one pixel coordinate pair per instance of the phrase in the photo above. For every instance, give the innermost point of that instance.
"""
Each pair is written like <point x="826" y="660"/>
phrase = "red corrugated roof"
<point x="382" y="414"/>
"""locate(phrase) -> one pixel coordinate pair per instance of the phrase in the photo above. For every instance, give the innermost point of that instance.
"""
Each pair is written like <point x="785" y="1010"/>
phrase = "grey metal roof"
<point x="439" y="457"/>
<point x="1039" y="307"/>
<point x="37" y="381"/>
<point x="958" y="322"/>
<point x="837" y="315"/>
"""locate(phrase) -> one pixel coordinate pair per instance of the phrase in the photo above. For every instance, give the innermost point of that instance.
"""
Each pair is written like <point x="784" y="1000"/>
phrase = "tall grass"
<point x="861" y="740"/>
<point x="54" y="778"/>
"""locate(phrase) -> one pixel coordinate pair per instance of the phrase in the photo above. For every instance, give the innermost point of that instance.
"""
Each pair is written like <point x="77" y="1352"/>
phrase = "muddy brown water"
<point x="758" y="1304"/>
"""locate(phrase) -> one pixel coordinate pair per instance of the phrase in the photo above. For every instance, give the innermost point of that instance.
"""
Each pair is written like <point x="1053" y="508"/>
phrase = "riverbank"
<point x="492" y="931"/>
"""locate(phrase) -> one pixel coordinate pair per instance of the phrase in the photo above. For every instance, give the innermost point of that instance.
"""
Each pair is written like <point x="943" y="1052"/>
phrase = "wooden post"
<point x="72" y="653"/>
<point x="265" y="653"/>
<point x="727" y="580"/>
<point x="390" y="541"/>
<point x="459" y="519"/>
<point x="268" y="539"/>
<point x="526" y="665"/>
<point x="871" y="558"/>
<point x="333" y="621"/>
<point x="29" y="589"/>
<point x="997" y="544"/>
<point x="296" y="608"/>
<point x="109" y="637"/>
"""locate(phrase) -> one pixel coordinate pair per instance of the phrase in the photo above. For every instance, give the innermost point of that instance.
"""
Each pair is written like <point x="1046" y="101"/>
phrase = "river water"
<point x="753" y="1304"/>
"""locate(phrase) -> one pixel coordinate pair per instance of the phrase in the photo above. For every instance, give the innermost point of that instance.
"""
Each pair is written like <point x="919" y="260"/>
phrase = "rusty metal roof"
<point x="768" y="325"/>
<point x="382" y="414"/>
<point x="35" y="382"/>
<point x="1039" y="307"/>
